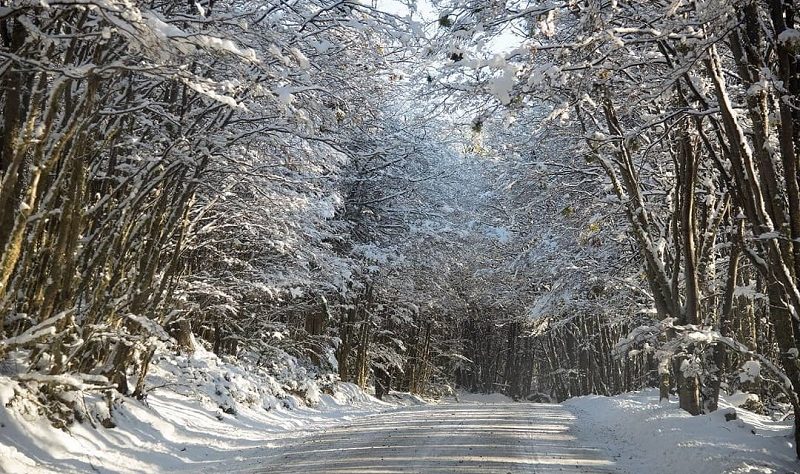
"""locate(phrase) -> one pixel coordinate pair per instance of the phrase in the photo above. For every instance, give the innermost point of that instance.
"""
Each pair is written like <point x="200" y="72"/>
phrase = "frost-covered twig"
<point x="33" y="334"/>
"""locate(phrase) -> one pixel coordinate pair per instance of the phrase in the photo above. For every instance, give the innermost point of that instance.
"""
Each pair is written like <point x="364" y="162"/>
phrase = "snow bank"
<point x="201" y="413"/>
<point x="405" y="399"/>
<point x="642" y="435"/>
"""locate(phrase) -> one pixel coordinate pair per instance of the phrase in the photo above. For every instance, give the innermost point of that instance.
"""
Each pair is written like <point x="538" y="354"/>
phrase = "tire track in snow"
<point x="449" y="437"/>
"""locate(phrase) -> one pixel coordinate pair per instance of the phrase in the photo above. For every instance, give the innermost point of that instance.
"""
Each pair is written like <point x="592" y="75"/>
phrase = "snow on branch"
<point x="33" y="334"/>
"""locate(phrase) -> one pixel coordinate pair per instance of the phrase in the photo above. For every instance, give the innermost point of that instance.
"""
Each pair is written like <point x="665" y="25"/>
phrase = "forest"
<point x="542" y="198"/>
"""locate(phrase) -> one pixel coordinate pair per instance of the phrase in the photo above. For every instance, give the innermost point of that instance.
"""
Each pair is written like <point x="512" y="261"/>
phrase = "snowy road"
<point x="463" y="437"/>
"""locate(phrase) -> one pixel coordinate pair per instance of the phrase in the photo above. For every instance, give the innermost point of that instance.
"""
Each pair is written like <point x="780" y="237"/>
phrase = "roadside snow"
<point x="201" y="414"/>
<point x="642" y="435"/>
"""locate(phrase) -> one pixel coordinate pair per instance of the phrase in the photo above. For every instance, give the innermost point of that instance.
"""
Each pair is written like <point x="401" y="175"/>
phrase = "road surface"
<point x="449" y="437"/>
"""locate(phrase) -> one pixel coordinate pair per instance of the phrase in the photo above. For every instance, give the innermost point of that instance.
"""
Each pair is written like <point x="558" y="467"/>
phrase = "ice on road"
<point x="450" y="437"/>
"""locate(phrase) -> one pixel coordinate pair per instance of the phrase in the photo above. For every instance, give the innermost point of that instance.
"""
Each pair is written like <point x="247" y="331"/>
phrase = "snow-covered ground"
<point x="642" y="435"/>
<point x="206" y="415"/>
<point x="478" y="434"/>
<point x="200" y="413"/>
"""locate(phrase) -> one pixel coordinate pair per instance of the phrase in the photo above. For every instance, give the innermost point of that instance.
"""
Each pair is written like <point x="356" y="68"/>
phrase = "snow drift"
<point x="643" y="435"/>
<point x="200" y="414"/>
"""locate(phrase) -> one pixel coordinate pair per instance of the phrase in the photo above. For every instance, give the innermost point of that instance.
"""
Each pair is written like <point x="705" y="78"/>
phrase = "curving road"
<point x="452" y="437"/>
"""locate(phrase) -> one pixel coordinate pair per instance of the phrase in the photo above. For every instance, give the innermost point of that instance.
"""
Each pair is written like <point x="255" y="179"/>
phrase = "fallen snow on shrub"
<point x="643" y="435"/>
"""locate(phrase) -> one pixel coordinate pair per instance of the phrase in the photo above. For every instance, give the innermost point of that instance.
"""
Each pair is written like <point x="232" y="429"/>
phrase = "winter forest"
<point x="279" y="206"/>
